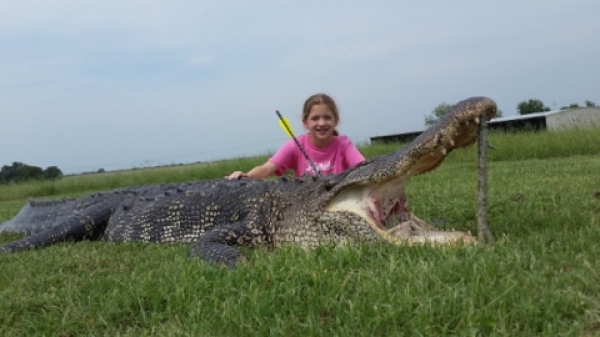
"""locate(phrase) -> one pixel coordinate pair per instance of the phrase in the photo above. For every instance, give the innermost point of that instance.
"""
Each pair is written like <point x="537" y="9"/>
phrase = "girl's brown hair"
<point x="321" y="99"/>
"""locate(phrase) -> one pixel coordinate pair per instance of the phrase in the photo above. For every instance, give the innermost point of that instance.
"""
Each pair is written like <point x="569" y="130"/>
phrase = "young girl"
<point x="329" y="152"/>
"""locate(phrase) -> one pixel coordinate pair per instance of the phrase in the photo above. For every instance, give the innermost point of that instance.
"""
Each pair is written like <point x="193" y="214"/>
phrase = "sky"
<point x="116" y="85"/>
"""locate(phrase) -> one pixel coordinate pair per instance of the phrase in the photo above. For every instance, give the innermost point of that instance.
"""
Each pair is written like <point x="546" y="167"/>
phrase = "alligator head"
<point x="356" y="205"/>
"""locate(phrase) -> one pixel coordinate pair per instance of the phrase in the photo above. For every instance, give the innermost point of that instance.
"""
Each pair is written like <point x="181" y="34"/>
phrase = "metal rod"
<point x="484" y="235"/>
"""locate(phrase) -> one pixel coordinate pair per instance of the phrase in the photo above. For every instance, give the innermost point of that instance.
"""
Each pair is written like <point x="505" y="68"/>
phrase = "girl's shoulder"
<point x="343" y="141"/>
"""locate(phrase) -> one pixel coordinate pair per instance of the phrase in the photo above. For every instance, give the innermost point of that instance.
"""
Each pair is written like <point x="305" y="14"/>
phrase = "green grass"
<point x="541" y="277"/>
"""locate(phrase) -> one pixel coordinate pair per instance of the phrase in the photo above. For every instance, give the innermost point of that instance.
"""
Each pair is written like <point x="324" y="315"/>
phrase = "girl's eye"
<point x="316" y="118"/>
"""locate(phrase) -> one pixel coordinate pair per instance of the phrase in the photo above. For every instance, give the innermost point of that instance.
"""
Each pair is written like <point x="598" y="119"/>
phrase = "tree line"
<point x="534" y="105"/>
<point x="20" y="172"/>
<point x="530" y="106"/>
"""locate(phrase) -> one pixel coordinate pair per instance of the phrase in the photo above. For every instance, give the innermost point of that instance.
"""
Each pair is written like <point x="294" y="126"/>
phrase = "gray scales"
<point x="218" y="216"/>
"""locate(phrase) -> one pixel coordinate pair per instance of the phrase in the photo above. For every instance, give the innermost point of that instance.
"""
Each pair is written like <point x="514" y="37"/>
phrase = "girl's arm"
<point x="280" y="159"/>
<point x="260" y="172"/>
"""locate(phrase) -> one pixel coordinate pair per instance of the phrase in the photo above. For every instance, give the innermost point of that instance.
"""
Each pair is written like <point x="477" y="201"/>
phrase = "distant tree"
<point x="441" y="110"/>
<point x="27" y="172"/>
<point x="4" y="175"/>
<point x="531" y="106"/>
<point x="438" y="112"/>
<point x="588" y="104"/>
<point x="10" y="173"/>
<point x="19" y="172"/>
<point x="52" y="172"/>
<point x="571" y="106"/>
<point x="100" y="170"/>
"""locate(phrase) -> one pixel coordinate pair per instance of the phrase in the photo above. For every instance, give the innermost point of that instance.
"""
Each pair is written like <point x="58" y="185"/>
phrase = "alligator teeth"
<point x="476" y="120"/>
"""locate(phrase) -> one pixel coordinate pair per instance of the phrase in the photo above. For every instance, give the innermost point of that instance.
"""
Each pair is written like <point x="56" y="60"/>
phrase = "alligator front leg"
<point x="90" y="223"/>
<point x="218" y="245"/>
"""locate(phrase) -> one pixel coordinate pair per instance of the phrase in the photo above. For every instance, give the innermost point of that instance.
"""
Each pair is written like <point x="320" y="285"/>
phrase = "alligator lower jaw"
<point x="417" y="232"/>
<point x="375" y="204"/>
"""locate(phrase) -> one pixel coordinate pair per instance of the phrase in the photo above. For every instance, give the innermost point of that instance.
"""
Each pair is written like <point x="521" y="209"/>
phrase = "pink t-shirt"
<point x="340" y="155"/>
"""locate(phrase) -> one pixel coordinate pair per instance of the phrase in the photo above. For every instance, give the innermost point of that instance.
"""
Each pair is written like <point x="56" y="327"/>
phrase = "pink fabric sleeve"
<point x="284" y="158"/>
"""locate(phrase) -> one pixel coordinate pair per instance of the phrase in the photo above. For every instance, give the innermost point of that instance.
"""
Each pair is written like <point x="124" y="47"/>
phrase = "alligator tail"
<point x="87" y="224"/>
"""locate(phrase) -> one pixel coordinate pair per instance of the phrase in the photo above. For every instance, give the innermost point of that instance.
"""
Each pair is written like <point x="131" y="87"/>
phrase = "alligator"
<point x="218" y="216"/>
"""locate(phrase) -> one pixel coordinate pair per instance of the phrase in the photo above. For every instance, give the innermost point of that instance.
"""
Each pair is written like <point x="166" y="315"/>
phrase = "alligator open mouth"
<point x="375" y="204"/>
<point x="375" y="191"/>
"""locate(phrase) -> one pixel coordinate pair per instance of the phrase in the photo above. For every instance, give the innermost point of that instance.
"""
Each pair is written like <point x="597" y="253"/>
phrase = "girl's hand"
<point x="236" y="175"/>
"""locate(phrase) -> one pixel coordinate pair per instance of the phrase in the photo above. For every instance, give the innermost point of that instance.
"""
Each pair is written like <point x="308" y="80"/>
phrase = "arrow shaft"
<point x="291" y="133"/>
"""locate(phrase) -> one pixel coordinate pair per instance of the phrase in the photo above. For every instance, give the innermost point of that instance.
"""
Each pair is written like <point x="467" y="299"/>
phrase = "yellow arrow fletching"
<point x="285" y="125"/>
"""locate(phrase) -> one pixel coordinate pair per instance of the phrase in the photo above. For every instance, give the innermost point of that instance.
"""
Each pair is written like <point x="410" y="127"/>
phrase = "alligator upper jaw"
<point x="459" y="128"/>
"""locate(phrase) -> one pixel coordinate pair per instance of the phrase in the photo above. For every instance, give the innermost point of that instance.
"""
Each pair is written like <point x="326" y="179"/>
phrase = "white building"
<point x="552" y="120"/>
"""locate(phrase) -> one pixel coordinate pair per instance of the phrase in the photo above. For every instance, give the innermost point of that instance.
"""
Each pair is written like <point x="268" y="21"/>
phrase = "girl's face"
<point x="320" y="123"/>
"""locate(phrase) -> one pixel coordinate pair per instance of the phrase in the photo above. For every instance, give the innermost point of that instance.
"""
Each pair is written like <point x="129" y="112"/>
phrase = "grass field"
<point x="541" y="277"/>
